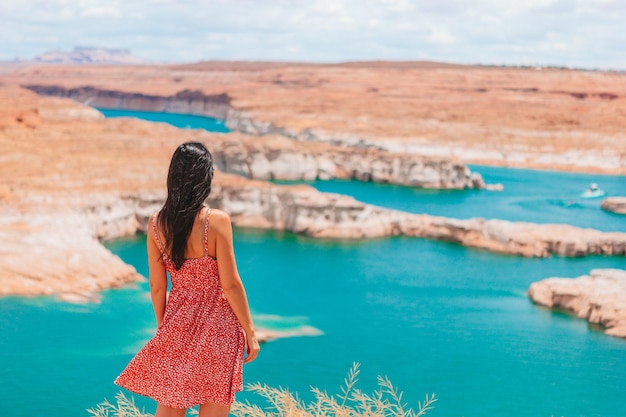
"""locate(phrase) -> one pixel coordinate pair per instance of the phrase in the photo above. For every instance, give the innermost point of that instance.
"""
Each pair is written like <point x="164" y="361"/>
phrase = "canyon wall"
<point x="184" y="102"/>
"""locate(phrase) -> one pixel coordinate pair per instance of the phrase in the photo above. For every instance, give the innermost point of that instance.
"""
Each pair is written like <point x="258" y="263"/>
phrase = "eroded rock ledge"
<point x="614" y="204"/>
<point x="599" y="298"/>
<point x="276" y="155"/>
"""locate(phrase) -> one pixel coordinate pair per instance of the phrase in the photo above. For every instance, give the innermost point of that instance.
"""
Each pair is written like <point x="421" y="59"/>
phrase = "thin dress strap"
<point x="206" y="232"/>
<point x="156" y="234"/>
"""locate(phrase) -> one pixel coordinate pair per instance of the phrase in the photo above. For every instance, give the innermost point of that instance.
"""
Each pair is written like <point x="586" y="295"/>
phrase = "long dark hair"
<point x="188" y="186"/>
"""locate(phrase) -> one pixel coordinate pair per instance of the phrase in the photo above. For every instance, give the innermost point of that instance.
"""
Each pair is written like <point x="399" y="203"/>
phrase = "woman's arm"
<point x="231" y="282"/>
<point x="158" y="276"/>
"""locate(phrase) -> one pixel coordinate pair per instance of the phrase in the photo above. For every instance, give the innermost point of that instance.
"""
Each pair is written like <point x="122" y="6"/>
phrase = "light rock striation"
<point x="599" y="298"/>
<point x="614" y="204"/>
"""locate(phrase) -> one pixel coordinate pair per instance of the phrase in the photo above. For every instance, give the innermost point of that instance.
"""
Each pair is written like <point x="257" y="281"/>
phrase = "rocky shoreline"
<point x="599" y="298"/>
<point x="614" y="204"/>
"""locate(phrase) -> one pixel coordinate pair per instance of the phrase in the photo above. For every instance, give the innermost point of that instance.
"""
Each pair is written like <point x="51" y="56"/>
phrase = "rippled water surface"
<point x="185" y="121"/>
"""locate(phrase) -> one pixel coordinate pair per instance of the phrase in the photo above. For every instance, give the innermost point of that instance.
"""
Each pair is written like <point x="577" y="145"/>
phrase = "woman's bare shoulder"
<point x="219" y="223"/>
<point x="219" y="219"/>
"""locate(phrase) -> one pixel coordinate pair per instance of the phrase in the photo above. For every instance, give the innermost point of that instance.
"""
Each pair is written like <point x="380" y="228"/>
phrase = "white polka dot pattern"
<point x="196" y="355"/>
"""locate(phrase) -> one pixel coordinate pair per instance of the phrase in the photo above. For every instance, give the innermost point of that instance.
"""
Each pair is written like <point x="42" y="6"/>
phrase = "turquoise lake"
<point x="179" y="120"/>
<point x="432" y="316"/>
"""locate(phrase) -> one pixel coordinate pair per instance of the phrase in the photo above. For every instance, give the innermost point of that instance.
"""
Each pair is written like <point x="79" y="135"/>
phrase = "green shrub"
<point x="386" y="401"/>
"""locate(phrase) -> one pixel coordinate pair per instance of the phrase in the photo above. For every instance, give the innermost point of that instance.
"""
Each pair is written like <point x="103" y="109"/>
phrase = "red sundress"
<point x="196" y="355"/>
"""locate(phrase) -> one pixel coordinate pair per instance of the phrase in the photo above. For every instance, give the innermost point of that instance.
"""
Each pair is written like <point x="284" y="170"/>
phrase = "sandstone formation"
<point x="599" y="298"/>
<point x="72" y="179"/>
<point x="547" y="118"/>
<point x="273" y="158"/>
<point x="614" y="204"/>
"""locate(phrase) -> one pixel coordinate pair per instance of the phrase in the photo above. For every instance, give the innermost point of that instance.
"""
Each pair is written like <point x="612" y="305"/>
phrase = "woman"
<point x="196" y="355"/>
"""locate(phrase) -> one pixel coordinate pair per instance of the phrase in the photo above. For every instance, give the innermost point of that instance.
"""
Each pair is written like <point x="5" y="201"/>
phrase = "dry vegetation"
<point x="386" y="401"/>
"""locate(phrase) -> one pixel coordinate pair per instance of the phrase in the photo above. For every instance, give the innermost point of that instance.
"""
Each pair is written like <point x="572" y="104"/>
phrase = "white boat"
<point x="593" y="192"/>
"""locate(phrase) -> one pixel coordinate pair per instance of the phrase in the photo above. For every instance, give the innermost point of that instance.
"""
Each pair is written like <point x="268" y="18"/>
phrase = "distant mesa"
<point x="89" y="55"/>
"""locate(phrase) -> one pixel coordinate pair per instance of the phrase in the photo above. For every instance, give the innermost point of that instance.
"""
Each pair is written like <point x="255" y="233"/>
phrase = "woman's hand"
<point x="252" y="348"/>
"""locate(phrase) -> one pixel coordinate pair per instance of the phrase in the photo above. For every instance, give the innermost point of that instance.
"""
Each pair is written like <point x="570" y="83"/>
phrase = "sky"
<point x="574" y="33"/>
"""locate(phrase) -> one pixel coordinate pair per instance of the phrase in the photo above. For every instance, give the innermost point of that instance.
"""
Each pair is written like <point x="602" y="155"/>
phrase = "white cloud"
<point x="585" y="33"/>
<point x="442" y="37"/>
<point x="101" y="12"/>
